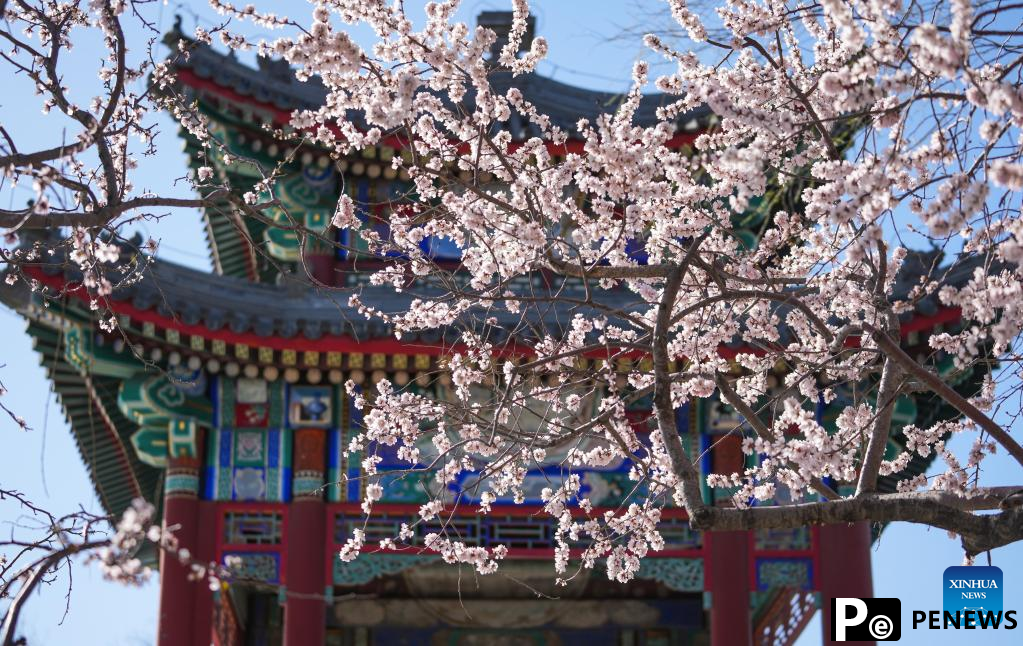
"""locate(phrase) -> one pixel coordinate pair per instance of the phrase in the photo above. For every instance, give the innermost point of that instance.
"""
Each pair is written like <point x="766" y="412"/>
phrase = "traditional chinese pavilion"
<point x="220" y="399"/>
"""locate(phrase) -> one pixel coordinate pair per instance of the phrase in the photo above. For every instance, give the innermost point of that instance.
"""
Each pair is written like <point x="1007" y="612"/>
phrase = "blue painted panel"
<point x="441" y="248"/>
<point x="209" y="483"/>
<point x="226" y="446"/>
<point x="248" y="483"/>
<point x="333" y="445"/>
<point x="273" y="448"/>
<point x="215" y="397"/>
<point x="636" y="250"/>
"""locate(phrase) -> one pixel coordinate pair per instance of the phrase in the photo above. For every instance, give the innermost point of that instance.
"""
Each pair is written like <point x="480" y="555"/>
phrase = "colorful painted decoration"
<point x="683" y="575"/>
<point x="249" y="484"/>
<point x="784" y="572"/>
<point x="190" y="381"/>
<point x="304" y="203"/>
<point x="310" y="406"/>
<point x="249" y="452"/>
<point x="263" y="567"/>
<point x="250" y="403"/>
<point x="373" y="566"/>
<point x="251" y="415"/>
<point x="168" y="418"/>
<point x="252" y="391"/>
<point x="184" y="438"/>
<point x="89" y="357"/>
<point x="320" y="179"/>
<point x="249" y="447"/>
<point x="181" y="482"/>
<point x="249" y="465"/>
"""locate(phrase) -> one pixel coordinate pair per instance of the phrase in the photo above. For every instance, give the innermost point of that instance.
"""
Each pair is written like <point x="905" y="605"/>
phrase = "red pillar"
<point x="305" y="610"/>
<point x="181" y="598"/>
<point x="206" y="552"/>
<point x="177" y="603"/>
<point x="844" y="568"/>
<point x="730" y="620"/>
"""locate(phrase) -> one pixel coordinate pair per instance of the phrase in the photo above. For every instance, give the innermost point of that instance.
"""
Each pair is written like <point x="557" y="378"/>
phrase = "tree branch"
<point x="764" y="432"/>
<point x="938" y="509"/>
<point x="944" y="391"/>
<point x="887" y="392"/>
<point x="14" y="610"/>
<point x="665" y="410"/>
<point x="26" y="219"/>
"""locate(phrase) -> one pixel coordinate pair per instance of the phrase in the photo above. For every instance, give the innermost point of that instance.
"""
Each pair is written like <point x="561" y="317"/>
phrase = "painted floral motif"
<point x="249" y="483"/>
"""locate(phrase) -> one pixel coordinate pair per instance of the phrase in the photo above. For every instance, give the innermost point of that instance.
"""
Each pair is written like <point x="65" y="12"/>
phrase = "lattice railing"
<point x="784" y="621"/>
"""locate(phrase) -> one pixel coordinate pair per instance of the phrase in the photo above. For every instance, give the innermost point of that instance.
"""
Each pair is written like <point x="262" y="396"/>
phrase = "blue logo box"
<point x="977" y="587"/>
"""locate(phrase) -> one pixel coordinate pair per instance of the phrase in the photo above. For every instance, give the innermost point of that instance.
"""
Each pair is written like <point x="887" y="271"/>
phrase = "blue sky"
<point x="586" y="48"/>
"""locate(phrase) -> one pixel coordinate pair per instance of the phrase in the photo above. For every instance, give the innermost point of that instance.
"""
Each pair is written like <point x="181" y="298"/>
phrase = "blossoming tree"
<point x="875" y="119"/>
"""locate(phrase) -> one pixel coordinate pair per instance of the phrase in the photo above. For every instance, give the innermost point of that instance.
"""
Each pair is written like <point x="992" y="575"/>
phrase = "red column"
<point x="181" y="598"/>
<point x="305" y="610"/>
<point x="730" y="620"/>
<point x="305" y="618"/>
<point x="177" y="603"/>
<point x="206" y="552"/>
<point x="844" y="568"/>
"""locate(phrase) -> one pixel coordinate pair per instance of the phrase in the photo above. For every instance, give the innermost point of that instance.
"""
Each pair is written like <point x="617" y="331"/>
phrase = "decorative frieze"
<point x="181" y="482"/>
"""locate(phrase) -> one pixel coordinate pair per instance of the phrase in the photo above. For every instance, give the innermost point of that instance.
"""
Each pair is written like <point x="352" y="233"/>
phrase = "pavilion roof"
<point x="243" y="98"/>
<point x="174" y="305"/>
<point x="273" y="84"/>
<point x="300" y="310"/>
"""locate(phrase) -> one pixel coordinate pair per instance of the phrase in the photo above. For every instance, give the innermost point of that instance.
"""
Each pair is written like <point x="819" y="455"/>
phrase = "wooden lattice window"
<point x="253" y="528"/>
